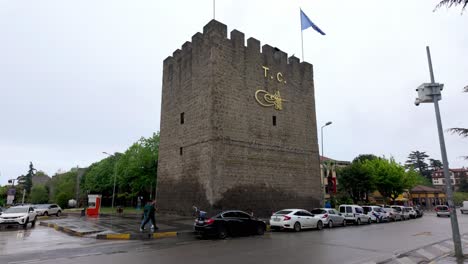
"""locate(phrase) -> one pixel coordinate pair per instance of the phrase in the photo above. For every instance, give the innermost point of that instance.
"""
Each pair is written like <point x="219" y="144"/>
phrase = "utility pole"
<point x="431" y="93"/>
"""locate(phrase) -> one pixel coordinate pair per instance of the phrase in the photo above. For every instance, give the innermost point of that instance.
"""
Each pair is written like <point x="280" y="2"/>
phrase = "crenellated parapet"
<point x="215" y="34"/>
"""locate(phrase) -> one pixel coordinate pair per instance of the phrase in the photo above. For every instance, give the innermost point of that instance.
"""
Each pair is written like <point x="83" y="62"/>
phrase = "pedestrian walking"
<point x="149" y="214"/>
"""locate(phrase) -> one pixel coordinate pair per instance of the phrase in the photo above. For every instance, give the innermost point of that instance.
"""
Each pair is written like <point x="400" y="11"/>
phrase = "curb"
<point x="67" y="230"/>
<point x="128" y="236"/>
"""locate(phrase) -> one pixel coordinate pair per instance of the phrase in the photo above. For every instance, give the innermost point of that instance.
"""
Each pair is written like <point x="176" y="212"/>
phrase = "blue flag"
<point x="306" y="23"/>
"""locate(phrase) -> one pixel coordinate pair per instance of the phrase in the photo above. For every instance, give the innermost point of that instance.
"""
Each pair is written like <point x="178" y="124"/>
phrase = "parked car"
<point x="330" y="217"/>
<point x="1" y="210"/>
<point x="47" y="209"/>
<point x="412" y="213"/>
<point x="401" y="209"/>
<point x="354" y="213"/>
<point x="442" y="210"/>
<point x="464" y="208"/>
<point x="295" y="219"/>
<point x="375" y="213"/>
<point x="19" y="215"/>
<point x="229" y="223"/>
<point x="392" y="214"/>
<point x="419" y="211"/>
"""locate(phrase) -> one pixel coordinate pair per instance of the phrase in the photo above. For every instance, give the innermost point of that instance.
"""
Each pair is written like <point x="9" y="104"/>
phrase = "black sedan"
<point x="229" y="223"/>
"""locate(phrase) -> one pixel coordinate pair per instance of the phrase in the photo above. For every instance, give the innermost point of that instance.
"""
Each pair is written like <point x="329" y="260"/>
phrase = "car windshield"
<point x="13" y="210"/>
<point x="367" y="209"/>
<point x="318" y="211"/>
<point x="397" y="209"/>
<point x="283" y="212"/>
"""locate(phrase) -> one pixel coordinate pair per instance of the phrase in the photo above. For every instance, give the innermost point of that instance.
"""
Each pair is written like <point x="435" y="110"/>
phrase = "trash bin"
<point x="119" y="210"/>
<point x="83" y="212"/>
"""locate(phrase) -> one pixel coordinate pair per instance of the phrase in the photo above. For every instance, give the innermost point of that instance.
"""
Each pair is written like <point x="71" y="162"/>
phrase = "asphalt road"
<point x="352" y="244"/>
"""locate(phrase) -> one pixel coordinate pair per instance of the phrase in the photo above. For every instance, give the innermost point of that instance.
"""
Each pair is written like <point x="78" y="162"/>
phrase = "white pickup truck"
<point x="464" y="208"/>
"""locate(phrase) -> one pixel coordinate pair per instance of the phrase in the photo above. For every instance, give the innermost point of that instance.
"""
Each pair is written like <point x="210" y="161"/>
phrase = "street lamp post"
<point x="322" y="177"/>
<point x="431" y="93"/>
<point x="115" y="178"/>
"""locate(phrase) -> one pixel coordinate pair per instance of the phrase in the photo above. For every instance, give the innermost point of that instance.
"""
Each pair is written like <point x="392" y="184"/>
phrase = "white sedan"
<point x="295" y="219"/>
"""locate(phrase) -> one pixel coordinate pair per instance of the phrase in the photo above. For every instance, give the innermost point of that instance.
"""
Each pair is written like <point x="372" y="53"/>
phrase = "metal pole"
<point x="214" y="9"/>
<point x="302" y="44"/>
<point x="448" y="185"/>
<point x="113" y="192"/>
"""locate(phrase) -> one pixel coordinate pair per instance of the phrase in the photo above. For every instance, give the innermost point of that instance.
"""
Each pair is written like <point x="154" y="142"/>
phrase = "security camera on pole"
<point x="430" y="93"/>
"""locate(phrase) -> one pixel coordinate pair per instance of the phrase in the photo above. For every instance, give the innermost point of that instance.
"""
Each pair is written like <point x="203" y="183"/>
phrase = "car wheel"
<point x="330" y="224"/>
<point x="33" y="223"/>
<point x="344" y="222"/>
<point x="297" y="227"/>
<point x="222" y="232"/>
<point x="58" y="213"/>
<point x="358" y="221"/>
<point x="45" y="213"/>
<point x="260" y="230"/>
<point x="319" y="225"/>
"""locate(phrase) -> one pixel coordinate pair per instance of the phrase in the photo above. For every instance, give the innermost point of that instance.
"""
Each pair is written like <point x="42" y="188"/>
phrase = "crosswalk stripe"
<point x="405" y="260"/>
<point x="425" y="254"/>
<point x="442" y="248"/>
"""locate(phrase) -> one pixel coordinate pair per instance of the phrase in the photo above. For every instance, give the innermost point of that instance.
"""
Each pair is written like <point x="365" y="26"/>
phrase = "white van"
<point x="354" y="213"/>
<point x="464" y="208"/>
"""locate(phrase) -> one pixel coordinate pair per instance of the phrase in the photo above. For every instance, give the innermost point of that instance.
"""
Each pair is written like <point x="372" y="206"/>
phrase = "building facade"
<point x="238" y="127"/>
<point x="438" y="179"/>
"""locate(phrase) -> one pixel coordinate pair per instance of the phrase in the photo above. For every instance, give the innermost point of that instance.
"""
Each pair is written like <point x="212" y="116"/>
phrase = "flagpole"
<point x="302" y="44"/>
<point x="214" y="9"/>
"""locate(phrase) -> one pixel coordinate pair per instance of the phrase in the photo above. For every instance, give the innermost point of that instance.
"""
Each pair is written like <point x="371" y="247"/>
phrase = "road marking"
<point x="405" y="260"/>
<point x="425" y="254"/>
<point x="442" y="248"/>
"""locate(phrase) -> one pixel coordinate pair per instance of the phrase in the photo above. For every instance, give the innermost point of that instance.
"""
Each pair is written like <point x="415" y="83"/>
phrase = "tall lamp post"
<point x="431" y="93"/>
<point x="321" y="162"/>
<point x="115" y="178"/>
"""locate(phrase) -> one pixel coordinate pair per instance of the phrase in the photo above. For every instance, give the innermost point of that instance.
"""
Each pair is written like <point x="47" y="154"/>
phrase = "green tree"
<point x="39" y="194"/>
<point x="417" y="160"/>
<point x="357" y="181"/>
<point x="25" y="181"/>
<point x="463" y="187"/>
<point x="64" y="183"/>
<point x="137" y="168"/>
<point x="62" y="199"/>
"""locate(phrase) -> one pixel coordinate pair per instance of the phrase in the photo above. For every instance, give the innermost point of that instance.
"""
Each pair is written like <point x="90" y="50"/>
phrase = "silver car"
<point x="330" y="217"/>
<point x="48" y="209"/>
<point x="442" y="210"/>
<point x="392" y="214"/>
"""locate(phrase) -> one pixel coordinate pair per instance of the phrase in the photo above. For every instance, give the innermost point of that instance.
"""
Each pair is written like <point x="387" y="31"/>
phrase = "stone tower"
<point x="238" y="127"/>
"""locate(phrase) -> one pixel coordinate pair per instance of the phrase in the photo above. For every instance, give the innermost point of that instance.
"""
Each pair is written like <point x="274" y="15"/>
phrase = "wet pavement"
<point x="353" y="244"/>
<point x="109" y="224"/>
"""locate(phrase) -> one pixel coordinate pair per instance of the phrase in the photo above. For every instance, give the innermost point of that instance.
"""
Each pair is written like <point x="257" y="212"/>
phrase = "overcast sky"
<point x="81" y="77"/>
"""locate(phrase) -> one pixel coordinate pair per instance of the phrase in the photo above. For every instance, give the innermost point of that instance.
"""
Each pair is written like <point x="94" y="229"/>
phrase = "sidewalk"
<point x="441" y="253"/>
<point x="120" y="227"/>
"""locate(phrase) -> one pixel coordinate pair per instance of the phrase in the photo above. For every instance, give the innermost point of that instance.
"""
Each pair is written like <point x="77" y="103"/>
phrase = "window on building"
<point x="181" y="151"/>
<point x="274" y="120"/>
<point x="182" y="118"/>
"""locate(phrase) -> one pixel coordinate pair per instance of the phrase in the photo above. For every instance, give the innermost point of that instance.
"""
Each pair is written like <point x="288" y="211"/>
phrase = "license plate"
<point x="276" y="219"/>
<point x="201" y="222"/>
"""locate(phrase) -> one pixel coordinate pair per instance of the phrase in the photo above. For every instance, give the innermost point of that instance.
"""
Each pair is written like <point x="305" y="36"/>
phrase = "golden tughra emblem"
<point x="269" y="99"/>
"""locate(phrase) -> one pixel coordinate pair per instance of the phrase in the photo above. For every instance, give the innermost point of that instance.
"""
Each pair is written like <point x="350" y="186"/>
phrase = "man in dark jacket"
<point x="149" y="214"/>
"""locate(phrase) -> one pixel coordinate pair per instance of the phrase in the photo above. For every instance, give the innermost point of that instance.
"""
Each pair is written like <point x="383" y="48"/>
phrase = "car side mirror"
<point x="312" y="215"/>
<point x="340" y="214"/>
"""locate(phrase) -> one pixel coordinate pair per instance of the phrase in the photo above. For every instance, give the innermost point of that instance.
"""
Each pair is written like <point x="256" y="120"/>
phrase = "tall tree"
<point x="25" y="181"/>
<point x="417" y="160"/>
